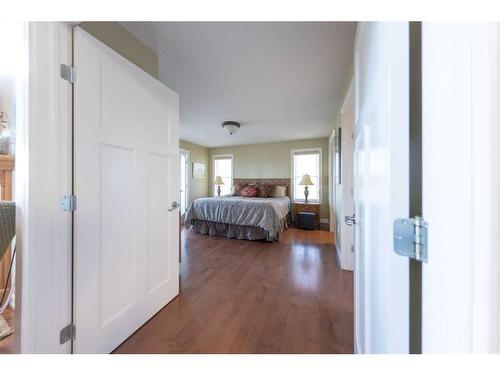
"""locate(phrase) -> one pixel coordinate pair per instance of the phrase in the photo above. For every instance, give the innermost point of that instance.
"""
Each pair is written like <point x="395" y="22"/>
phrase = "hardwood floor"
<point x="254" y="297"/>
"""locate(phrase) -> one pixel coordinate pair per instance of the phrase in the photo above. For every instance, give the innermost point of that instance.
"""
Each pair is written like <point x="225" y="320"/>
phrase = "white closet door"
<point x="126" y="168"/>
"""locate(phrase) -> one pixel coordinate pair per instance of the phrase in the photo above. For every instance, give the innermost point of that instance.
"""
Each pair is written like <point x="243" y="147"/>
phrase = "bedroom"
<point x="253" y="187"/>
<point x="271" y="146"/>
<point x="278" y="155"/>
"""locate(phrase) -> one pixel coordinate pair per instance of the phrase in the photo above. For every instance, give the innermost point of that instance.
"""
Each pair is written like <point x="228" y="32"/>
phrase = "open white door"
<point x="126" y="173"/>
<point x="381" y="182"/>
<point x="461" y="187"/>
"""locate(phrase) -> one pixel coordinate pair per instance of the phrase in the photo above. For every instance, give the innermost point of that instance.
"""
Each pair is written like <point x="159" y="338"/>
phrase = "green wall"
<point x="125" y="43"/>
<point x="273" y="160"/>
<point x="198" y="188"/>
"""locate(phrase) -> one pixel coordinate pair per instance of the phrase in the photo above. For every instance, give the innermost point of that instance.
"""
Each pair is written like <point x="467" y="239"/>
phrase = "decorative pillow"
<point x="278" y="192"/>
<point x="249" y="191"/>
<point x="270" y="191"/>
<point x="237" y="188"/>
<point x="263" y="190"/>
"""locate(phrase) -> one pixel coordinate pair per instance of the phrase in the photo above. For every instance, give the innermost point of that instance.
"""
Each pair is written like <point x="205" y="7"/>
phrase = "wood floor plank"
<point x="254" y="297"/>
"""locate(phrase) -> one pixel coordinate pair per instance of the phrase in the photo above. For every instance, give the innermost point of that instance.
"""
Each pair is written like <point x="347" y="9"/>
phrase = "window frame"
<point x="312" y="150"/>
<point x="213" y="190"/>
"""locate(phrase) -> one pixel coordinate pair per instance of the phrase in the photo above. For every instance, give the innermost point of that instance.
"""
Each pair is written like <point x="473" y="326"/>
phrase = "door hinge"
<point x="68" y="203"/>
<point x="67" y="334"/>
<point x="410" y="238"/>
<point x="68" y="73"/>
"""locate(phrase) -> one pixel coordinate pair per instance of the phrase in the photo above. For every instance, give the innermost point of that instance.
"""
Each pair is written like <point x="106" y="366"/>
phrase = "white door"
<point x="461" y="195"/>
<point x="126" y="173"/>
<point x="381" y="186"/>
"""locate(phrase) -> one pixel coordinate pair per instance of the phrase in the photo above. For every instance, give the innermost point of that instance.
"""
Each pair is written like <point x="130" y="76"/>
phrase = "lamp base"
<point x="306" y="194"/>
<point x="218" y="190"/>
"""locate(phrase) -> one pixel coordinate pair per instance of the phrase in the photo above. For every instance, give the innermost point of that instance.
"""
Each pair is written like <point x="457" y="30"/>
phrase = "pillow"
<point x="263" y="190"/>
<point x="237" y="188"/>
<point x="249" y="191"/>
<point x="278" y="192"/>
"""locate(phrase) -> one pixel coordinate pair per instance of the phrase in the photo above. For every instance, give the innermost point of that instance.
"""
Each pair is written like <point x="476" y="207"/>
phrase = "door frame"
<point x="347" y="119"/>
<point x="331" y="183"/>
<point x="188" y="176"/>
<point x="43" y="175"/>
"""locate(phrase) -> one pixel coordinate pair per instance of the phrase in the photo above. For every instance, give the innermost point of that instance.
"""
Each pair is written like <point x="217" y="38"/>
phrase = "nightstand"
<point x="306" y="207"/>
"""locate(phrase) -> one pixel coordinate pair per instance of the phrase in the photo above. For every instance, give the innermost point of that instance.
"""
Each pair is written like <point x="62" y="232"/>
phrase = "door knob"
<point x="350" y="220"/>
<point x="174" y="206"/>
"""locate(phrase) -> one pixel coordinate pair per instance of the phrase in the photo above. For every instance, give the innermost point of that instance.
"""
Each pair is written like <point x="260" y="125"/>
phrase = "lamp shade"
<point x="306" y="180"/>
<point x="218" y="180"/>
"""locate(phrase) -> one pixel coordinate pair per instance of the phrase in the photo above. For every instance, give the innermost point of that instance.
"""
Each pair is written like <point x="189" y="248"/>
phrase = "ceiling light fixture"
<point x="231" y="126"/>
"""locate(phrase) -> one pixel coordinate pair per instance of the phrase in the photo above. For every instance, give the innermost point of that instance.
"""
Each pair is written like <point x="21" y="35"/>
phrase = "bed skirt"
<point x="240" y="232"/>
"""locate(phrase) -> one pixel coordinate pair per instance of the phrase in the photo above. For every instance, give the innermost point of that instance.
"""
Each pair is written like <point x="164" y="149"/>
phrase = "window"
<point x="223" y="166"/>
<point x="306" y="161"/>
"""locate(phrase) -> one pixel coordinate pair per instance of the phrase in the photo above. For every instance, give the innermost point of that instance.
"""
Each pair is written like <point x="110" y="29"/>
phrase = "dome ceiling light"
<point x="231" y="126"/>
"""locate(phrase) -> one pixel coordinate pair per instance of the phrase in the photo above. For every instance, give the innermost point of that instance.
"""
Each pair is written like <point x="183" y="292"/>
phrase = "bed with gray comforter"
<point x="239" y="217"/>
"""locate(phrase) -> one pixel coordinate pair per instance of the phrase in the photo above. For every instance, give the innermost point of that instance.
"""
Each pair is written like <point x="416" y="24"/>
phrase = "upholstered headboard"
<point x="273" y="181"/>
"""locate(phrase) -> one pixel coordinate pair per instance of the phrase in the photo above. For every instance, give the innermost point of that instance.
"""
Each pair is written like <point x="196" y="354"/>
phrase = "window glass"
<point x="306" y="163"/>
<point x="223" y="166"/>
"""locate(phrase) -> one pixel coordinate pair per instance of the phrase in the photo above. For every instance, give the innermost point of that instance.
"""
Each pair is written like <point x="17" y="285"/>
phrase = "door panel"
<point x="382" y="185"/>
<point x="126" y="168"/>
<point x="116" y="250"/>
<point x="158" y="220"/>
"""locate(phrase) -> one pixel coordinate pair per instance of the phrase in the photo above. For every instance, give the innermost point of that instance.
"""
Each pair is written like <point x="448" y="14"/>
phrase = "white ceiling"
<point x="281" y="80"/>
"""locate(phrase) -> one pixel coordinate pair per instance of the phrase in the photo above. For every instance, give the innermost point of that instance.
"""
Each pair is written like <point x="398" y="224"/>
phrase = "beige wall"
<point x="198" y="188"/>
<point x="125" y="43"/>
<point x="273" y="160"/>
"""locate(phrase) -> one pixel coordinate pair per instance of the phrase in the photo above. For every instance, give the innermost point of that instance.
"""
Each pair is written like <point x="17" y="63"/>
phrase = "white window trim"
<point x="292" y="180"/>
<point x="188" y="176"/>
<point x="212" y="170"/>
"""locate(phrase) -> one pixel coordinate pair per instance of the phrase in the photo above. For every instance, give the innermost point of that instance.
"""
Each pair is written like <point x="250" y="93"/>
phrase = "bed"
<point x="242" y="217"/>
